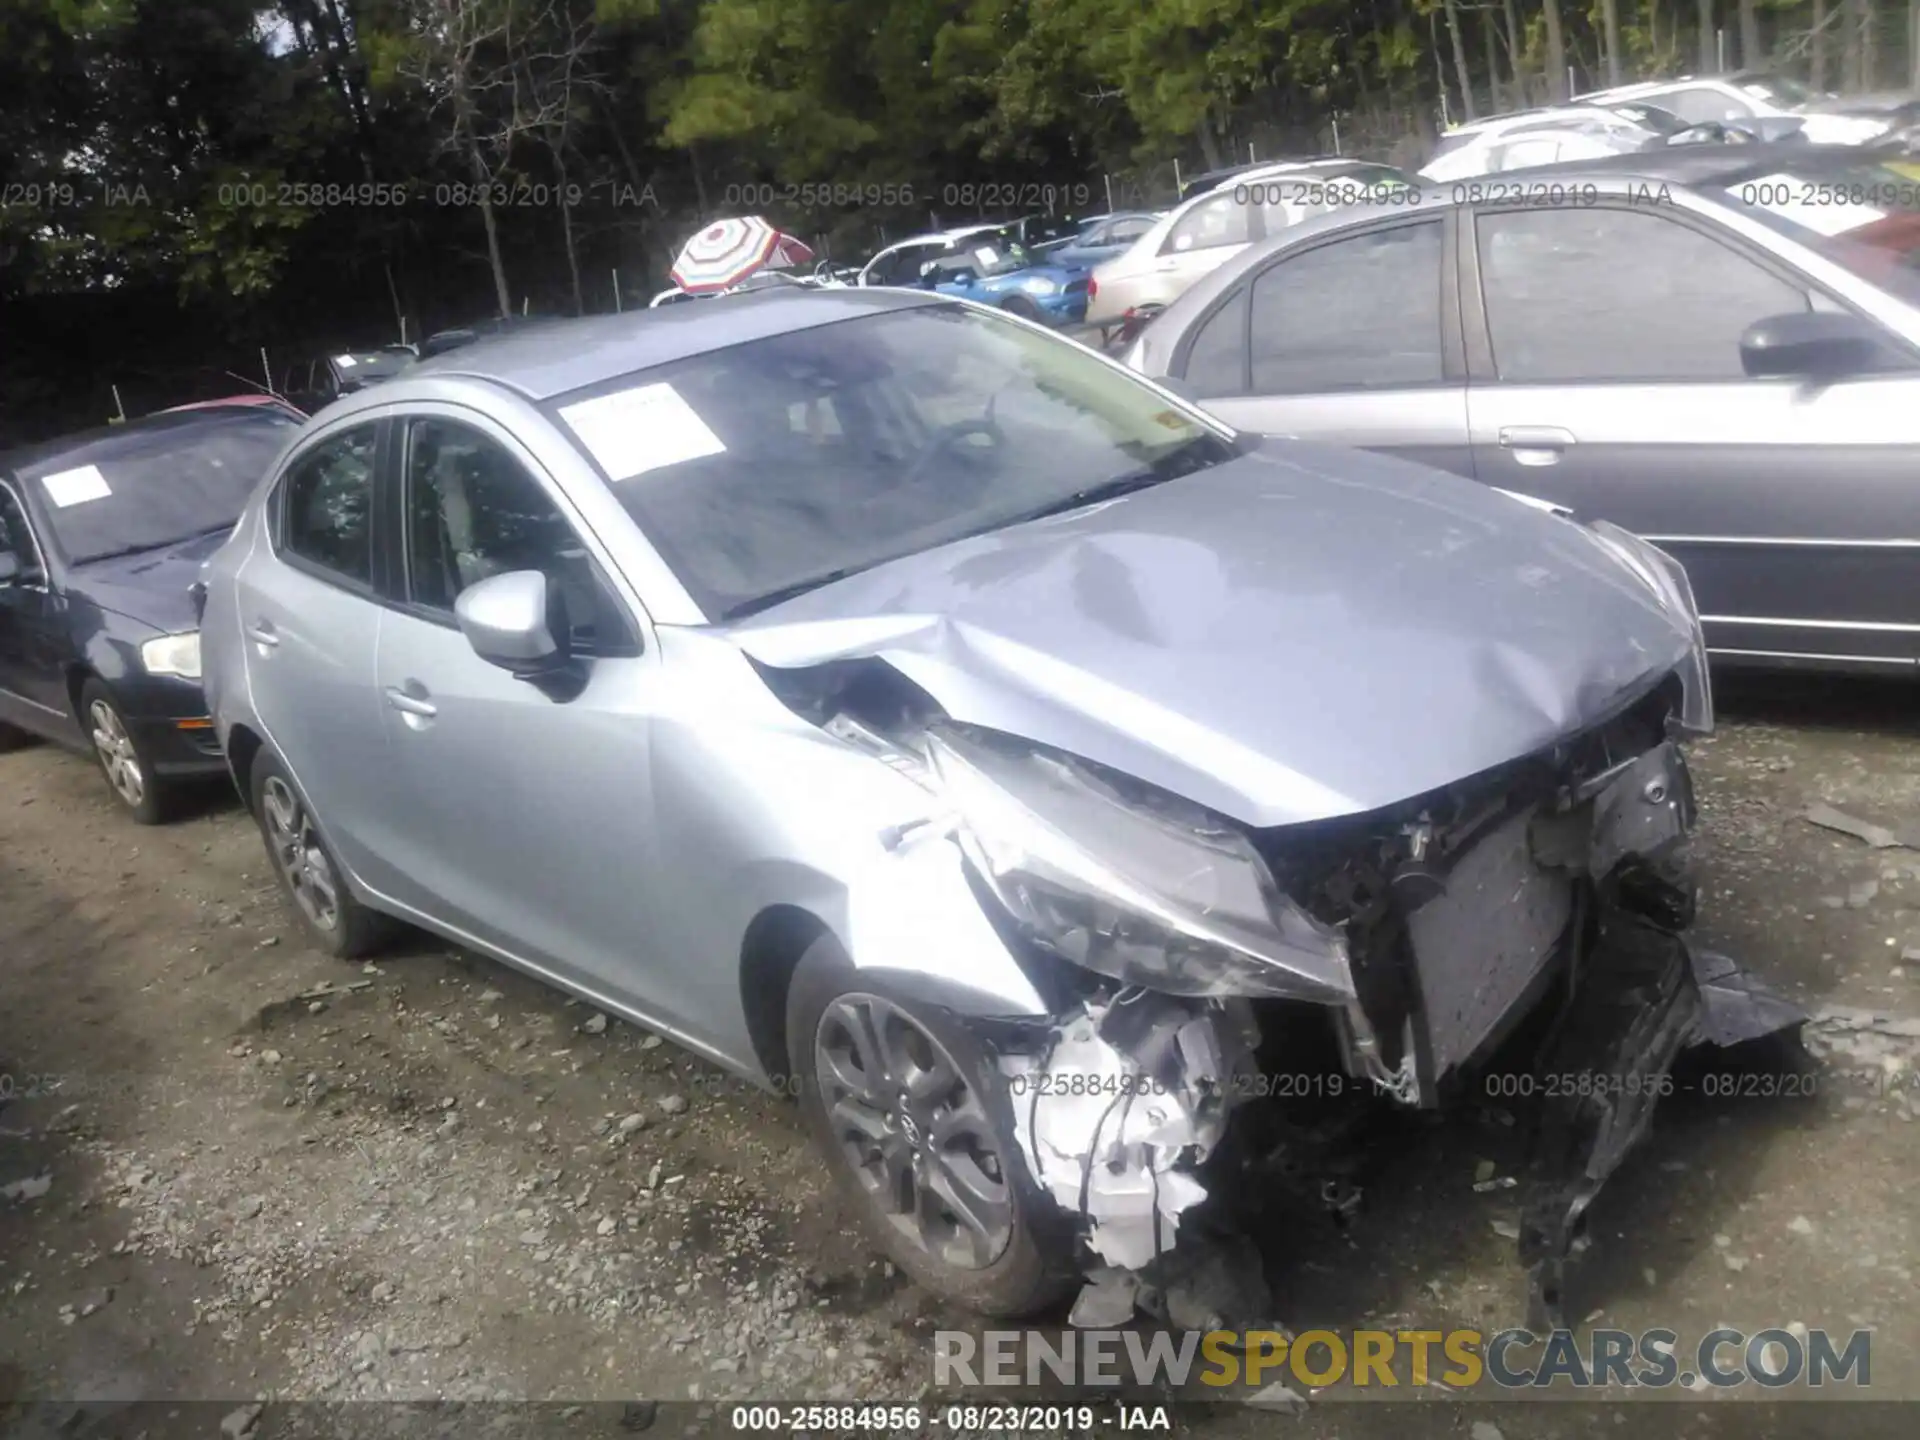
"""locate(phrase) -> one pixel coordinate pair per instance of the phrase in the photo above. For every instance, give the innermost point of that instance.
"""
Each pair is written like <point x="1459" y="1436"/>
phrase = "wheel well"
<point x="774" y="943"/>
<point x="242" y="746"/>
<point x="77" y="678"/>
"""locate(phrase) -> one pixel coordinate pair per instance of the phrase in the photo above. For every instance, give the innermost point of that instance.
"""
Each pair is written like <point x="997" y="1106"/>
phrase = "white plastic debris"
<point x="31" y="1188"/>
<point x="1105" y="1138"/>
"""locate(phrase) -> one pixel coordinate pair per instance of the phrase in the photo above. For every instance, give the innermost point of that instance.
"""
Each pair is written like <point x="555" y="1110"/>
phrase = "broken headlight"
<point x="1138" y="886"/>
<point x="1667" y="578"/>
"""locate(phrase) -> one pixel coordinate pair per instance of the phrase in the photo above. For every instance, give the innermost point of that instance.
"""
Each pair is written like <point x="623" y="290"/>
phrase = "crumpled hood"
<point x="1301" y="633"/>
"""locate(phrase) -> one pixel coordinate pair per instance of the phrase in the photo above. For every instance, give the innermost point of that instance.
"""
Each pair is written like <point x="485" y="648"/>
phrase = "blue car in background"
<point x="986" y="263"/>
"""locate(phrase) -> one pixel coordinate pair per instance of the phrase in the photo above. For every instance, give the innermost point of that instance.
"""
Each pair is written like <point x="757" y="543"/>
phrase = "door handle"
<point x="1535" y="437"/>
<point x="261" y="632"/>
<point x="408" y="704"/>
<point x="1536" y="444"/>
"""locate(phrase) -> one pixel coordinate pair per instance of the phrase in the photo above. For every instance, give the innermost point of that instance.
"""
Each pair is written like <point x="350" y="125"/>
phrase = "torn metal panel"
<point x="1646" y="810"/>
<point x="1736" y="1007"/>
<point x="1112" y="1118"/>
<point x="1627" y="1024"/>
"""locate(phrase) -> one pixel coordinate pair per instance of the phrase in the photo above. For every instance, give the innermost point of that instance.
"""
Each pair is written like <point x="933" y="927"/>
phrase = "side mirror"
<point x="518" y="622"/>
<point x="1810" y="344"/>
<point x="10" y="567"/>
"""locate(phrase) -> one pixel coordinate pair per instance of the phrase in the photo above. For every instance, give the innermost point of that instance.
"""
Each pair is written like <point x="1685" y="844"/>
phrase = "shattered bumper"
<point x="1546" y="931"/>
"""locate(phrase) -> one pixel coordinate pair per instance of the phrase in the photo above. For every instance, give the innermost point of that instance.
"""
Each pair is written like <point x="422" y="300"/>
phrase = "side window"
<point x="1357" y="313"/>
<point x="472" y="511"/>
<point x="15" y="536"/>
<point x="1221" y="220"/>
<point x="1518" y="154"/>
<point x="327" y="506"/>
<point x="1217" y="362"/>
<point x="1125" y="232"/>
<point x="1578" y="294"/>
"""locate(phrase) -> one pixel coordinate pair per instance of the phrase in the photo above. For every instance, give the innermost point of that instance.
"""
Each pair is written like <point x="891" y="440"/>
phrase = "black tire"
<point x="123" y="760"/>
<point x="1034" y="1268"/>
<point x="1020" y="305"/>
<point x="344" y="928"/>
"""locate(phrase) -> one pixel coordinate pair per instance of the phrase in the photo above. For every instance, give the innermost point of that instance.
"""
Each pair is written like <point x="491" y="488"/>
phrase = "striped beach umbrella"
<point x="728" y="251"/>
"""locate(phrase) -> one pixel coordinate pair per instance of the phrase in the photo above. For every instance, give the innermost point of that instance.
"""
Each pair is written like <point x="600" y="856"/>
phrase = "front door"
<point x="527" y="810"/>
<point x="32" y="686"/>
<point x="1348" y="340"/>
<point x="1609" y="379"/>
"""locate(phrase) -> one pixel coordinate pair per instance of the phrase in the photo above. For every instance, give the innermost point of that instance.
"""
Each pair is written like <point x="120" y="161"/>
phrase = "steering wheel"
<point x="944" y="440"/>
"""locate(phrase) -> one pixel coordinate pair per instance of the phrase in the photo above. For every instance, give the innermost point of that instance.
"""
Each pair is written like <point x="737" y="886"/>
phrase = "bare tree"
<point x="1610" y="31"/>
<point x="1513" y="53"/>
<point x="1852" y="49"/>
<point x="1706" y="37"/>
<point x="1817" y="44"/>
<point x="472" y="58"/>
<point x="1913" y="43"/>
<point x="1556" y="52"/>
<point x="559" y="81"/>
<point x="1750" y="53"/>
<point x="1460" y="59"/>
<point x="1489" y="29"/>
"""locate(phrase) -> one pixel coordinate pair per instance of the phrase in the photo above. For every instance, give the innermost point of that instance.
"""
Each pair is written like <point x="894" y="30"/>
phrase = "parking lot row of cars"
<point x="897" y="703"/>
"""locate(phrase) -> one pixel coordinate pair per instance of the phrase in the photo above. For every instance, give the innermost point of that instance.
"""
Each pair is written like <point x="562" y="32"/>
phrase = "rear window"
<point x="149" y="489"/>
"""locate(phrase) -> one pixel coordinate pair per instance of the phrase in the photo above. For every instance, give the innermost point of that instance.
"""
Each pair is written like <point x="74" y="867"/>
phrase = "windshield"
<point x="997" y="252"/>
<point x="1652" y="117"/>
<point x="148" y="489"/>
<point x="1776" y="90"/>
<point x="364" y="365"/>
<point x="1864" y="217"/>
<point x="772" y="466"/>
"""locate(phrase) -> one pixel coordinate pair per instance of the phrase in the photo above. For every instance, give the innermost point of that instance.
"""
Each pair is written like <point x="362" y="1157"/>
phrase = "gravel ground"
<point x="271" y="1176"/>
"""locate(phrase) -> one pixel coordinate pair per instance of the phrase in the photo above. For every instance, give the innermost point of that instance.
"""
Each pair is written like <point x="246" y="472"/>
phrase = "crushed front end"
<point x="1529" y="918"/>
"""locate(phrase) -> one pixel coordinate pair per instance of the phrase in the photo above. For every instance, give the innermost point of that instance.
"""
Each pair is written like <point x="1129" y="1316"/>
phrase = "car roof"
<point x="150" y="434"/>
<point x="1536" y="114"/>
<point x="1705" y="164"/>
<point x="1649" y="87"/>
<point x="545" y="361"/>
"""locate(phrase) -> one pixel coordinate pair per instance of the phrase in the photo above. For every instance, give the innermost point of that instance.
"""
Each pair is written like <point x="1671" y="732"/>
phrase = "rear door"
<point x="310" y="618"/>
<point x="1353" y="338"/>
<point x="1606" y="374"/>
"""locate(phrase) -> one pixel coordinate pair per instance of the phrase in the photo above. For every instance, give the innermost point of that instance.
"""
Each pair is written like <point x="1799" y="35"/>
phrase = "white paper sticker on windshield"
<point x="1781" y="194"/>
<point x="633" y="431"/>
<point x="986" y="255"/>
<point x="345" y="361"/>
<point x="75" y="487"/>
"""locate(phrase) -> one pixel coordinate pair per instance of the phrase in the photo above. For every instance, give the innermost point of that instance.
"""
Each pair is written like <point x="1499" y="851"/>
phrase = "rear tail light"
<point x="1093" y="287"/>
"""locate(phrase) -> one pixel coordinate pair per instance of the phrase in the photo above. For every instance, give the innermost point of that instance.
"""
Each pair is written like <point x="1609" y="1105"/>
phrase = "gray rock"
<point x="595" y="1025"/>
<point x="673" y="1104"/>
<point x="633" y="1122"/>
<point x="1485" y="1430"/>
<point x="237" y="1424"/>
<point x="248" y="1208"/>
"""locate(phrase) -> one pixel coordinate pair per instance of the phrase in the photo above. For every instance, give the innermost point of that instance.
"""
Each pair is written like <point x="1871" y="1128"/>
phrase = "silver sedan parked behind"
<point x="890" y="700"/>
<point x="1716" y="347"/>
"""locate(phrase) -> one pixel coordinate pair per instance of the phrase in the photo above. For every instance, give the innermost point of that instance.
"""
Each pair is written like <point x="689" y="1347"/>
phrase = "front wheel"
<point x="123" y="760"/>
<point x="333" y="919"/>
<point x="917" y="1129"/>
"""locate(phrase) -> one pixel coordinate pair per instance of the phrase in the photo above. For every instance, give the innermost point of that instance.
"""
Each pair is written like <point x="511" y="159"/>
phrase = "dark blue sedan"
<point x="101" y="539"/>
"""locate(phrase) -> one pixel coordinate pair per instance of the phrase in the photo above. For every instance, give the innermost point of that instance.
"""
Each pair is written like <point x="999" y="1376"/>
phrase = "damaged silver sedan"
<point x="888" y="699"/>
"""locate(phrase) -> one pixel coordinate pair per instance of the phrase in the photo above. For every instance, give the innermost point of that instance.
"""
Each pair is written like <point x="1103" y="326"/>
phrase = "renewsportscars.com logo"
<point x="1511" y="1359"/>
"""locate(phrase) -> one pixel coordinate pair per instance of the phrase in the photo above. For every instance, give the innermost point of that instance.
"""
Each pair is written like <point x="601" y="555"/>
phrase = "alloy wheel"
<point x="914" y="1130"/>
<point x="117" y="756"/>
<point x="297" y="851"/>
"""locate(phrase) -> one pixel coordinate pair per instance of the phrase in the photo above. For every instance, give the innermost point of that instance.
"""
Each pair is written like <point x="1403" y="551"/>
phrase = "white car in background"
<point x="1742" y="98"/>
<point x="1536" y="137"/>
<point x="1212" y="227"/>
